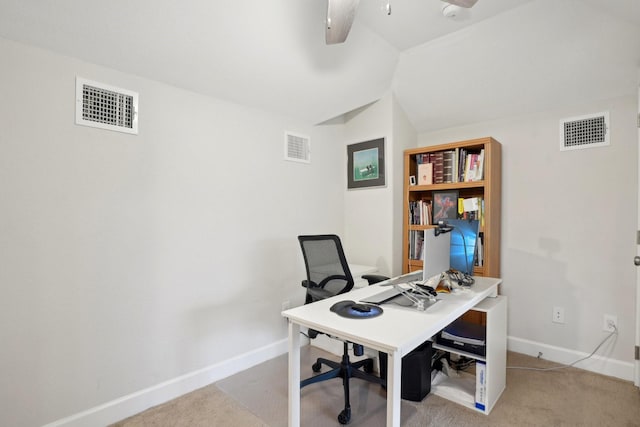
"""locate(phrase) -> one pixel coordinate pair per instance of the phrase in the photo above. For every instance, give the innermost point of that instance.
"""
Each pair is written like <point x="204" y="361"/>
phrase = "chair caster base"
<point x="345" y="416"/>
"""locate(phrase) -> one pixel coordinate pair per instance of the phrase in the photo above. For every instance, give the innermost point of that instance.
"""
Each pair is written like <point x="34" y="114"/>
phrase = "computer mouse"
<point x="362" y="308"/>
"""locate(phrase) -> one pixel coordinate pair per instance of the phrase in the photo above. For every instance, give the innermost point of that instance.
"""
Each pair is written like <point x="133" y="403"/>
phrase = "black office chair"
<point x="328" y="274"/>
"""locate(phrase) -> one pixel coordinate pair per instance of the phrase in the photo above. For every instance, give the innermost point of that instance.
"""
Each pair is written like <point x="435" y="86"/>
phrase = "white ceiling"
<point x="414" y="22"/>
<point x="503" y="57"/>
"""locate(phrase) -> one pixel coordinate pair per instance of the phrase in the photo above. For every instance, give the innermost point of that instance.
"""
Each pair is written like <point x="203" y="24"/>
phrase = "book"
<point x="438" y="168"/>
<point x="481" y="385"/>
<point x="479" y="176"/>
<point x="448" y="161"/>
<point x="471" y="204"/>
<point x="456" y="165"/>
<point x="425" y="207"/>
<point x="425" y="173"/>
<point x="467" y="167"/>
<point x="462" y="157"/>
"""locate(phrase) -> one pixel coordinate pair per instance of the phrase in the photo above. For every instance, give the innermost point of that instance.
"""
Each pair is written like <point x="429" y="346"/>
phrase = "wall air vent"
<point x="106" y="107"/>
<point x="297" y="148"/>
<point x="584" y="131"/>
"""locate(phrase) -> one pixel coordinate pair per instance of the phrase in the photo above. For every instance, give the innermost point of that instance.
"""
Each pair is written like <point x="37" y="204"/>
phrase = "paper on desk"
<point x="471" y="204"/>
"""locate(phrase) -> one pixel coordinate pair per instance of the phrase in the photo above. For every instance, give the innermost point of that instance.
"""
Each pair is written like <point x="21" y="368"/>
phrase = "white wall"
<point x="126" y="260"/>
<point x="404" y="137"/>
<point x="568" y="231"/>
<point x="368" y="211"/>
<point x="373" y="216"/>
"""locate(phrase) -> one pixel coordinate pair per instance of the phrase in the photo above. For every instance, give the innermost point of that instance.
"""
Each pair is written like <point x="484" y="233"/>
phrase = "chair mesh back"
<point x="324" y="257"/>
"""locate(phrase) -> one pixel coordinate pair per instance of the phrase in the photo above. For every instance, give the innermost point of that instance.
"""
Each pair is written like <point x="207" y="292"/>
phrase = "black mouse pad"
<point x="346" y="309"/>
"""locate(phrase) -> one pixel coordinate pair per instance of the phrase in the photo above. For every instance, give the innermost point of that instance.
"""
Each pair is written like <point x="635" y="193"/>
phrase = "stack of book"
<point x="445" y="167"/>
<point x="420" y="212"/>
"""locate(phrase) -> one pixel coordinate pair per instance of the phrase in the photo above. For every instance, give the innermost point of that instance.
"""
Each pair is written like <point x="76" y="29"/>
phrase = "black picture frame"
<point x="365" y="164"/>
<point x="445" y="205"/>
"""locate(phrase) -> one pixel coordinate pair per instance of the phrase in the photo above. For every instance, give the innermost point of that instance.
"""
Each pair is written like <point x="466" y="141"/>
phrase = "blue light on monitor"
<point x="460" y="260"/>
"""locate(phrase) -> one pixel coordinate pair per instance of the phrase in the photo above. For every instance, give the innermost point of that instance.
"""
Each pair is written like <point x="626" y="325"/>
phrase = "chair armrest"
<point x="308" y="284"/>
<point x="374" y="278"/>
<point x="315" y="292"/>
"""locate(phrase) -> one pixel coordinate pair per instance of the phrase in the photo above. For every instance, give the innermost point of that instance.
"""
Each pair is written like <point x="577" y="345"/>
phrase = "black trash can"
<point x="416" y="372"/>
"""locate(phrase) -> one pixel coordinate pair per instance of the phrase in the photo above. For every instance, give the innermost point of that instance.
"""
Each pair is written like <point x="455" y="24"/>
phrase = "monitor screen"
<point x="463" y="252"/>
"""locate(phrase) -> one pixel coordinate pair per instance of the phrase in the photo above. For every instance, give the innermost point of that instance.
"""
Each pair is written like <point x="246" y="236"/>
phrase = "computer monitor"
<point x="436" y="257"/>
<point x="463" y="251"/>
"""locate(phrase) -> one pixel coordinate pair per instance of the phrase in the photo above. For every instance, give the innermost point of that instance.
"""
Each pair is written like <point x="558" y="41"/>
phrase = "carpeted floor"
<point x="258" y="397"/>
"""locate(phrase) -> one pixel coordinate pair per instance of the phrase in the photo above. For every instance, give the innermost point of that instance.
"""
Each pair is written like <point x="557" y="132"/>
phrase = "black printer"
<point x="465" y="336"/>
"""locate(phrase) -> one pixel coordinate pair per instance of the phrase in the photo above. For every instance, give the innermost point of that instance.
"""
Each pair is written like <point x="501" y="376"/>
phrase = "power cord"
<point x="555" y="368"/>
<point x="462" y="279"/>
<point x="461" y="364"/>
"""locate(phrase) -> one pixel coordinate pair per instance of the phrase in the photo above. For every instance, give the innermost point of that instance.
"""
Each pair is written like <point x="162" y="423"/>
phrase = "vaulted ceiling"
<point x="500" y="58"/>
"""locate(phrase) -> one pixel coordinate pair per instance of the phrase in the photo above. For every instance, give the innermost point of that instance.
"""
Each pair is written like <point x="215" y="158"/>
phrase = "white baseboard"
<point x="126" y="406"/>
<point x="598" y="364"/>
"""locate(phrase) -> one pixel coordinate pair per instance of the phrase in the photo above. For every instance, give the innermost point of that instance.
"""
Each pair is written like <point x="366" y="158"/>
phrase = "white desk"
<point x="396" y="332"/>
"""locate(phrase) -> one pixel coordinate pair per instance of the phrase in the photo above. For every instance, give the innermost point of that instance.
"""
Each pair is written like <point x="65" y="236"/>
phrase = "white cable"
<point x="555" y="368"/>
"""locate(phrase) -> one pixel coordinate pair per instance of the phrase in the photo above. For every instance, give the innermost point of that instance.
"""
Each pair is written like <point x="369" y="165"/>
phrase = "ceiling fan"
<point x="340" y="14"/>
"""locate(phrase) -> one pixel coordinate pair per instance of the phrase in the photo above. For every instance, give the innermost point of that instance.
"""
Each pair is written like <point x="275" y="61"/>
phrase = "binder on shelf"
<point x="481" y="385"/>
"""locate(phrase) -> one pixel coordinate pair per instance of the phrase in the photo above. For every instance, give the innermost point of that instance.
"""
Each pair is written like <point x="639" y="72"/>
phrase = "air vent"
<point x="584" y="131"/>
<point x="297" y="148"/>
<point x="106" y="107"/>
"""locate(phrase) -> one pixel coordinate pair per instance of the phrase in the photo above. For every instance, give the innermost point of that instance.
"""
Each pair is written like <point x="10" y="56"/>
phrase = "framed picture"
<point x="365" y="164"/>
<point x="412" y="180"/>
<point x="445" y="205"/>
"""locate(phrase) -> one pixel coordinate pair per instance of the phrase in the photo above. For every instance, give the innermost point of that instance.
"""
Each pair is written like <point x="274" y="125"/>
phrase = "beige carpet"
<point x="258" y="397"/>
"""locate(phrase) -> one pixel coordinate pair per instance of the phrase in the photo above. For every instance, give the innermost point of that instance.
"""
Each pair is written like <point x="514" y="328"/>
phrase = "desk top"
<point x="398" y="328"/>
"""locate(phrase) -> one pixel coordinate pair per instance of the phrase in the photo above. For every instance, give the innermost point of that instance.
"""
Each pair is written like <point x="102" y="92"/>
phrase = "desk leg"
<point x="294" y="374"/>
<point x="394" y="369"/>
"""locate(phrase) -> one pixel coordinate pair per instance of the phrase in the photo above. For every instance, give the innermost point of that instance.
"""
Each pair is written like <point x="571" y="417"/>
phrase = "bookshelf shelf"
<point x="447" y="186"/>
<point x="467" y="182"/>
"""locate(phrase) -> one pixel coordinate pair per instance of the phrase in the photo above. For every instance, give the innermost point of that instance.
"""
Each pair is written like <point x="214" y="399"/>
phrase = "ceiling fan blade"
<point x="340" y="14"/>
<point x="462" y="3"/>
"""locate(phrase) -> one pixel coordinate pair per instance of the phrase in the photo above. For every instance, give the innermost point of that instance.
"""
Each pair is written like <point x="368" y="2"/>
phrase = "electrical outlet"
<point x="610" y="323"/>
<point x="558" y="315"/>
<point x="286" y="305"/>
